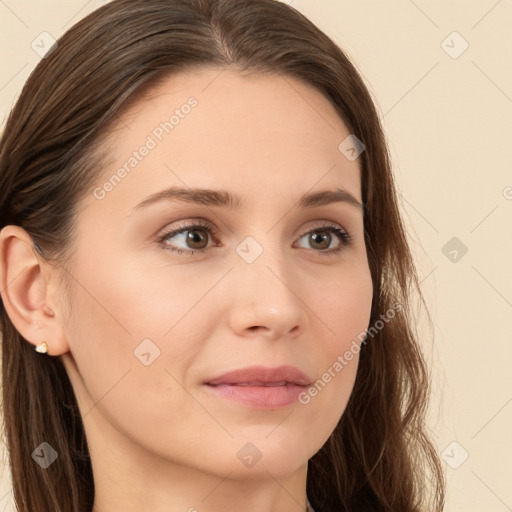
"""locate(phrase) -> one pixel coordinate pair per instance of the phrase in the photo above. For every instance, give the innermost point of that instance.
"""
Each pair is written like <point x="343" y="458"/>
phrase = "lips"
<point x="260" y="387"/>
<point x="262" y="376"/>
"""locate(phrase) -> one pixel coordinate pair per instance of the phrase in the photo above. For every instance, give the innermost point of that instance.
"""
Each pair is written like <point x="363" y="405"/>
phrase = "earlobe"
<point x="24" y="290"/>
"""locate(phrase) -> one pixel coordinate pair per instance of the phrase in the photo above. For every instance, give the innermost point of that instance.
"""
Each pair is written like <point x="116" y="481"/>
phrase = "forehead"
<point x="217" y="128"/>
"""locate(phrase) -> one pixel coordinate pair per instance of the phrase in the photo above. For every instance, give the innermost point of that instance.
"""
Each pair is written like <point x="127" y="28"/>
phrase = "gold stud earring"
<point x="42" y="348"/>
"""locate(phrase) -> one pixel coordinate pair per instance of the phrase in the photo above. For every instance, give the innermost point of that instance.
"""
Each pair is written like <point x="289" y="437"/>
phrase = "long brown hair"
<point x="379" y="457"/>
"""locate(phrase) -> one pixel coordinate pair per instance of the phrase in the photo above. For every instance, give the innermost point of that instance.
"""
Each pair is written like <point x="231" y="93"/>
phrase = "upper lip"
<point x="261" y="375"/>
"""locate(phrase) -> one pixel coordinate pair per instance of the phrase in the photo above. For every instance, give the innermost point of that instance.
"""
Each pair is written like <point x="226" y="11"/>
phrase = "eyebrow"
<point x="222" y="198"/>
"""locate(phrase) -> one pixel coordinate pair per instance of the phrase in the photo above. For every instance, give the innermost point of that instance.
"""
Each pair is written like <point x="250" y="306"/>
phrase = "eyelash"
<point x="342" y="235"/>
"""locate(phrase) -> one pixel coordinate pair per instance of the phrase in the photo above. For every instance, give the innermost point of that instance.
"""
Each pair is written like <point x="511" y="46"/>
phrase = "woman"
<point x="201" y="241"/>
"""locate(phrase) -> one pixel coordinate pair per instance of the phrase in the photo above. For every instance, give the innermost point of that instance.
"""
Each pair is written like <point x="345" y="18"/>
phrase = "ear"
<point x="24" y="280"/>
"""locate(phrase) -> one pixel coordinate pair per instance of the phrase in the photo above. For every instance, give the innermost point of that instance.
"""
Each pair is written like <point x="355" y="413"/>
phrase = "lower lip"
<point x="263" y="397"/>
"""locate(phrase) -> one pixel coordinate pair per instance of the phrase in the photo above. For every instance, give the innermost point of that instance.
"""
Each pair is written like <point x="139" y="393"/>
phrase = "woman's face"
<point x="170" y="290"/>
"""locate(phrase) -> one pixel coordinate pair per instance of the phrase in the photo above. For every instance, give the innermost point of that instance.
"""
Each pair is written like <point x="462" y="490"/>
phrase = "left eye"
<point x="322" y="237"/>
<point x="196" y="237"/>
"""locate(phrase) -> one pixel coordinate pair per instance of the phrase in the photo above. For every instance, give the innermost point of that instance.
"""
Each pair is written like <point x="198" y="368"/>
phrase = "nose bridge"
<point x="265" y="265"/>
<point x="266" y="296"/>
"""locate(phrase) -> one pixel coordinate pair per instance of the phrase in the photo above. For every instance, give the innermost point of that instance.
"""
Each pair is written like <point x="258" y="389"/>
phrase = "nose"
<point x="267" y="299"/>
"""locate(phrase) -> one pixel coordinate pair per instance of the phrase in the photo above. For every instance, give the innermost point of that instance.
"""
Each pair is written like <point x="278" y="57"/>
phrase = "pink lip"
<point x="258" y="386"/>
<point x="262" y="375"/>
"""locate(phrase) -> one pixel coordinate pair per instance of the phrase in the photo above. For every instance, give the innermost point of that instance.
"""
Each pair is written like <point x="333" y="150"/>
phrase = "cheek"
<point x="148" y="404"/>
<point x="126" y="318"/>
<point x="344" y="307"/>
<point x="127" y="371"/>
<point x="343" y="310"/>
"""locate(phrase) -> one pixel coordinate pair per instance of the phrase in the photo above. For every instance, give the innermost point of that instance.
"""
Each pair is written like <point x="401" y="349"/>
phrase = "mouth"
<point x="262" y="376"/>
<point x="261" y="387"/>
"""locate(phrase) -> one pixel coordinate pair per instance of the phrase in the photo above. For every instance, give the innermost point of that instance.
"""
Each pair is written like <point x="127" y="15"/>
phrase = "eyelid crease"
<point x="340" y="232"/>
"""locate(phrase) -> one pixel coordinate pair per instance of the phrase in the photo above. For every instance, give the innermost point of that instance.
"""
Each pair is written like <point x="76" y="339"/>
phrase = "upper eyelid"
<point x="204" y="224"/>
<point x="200" y="223"/>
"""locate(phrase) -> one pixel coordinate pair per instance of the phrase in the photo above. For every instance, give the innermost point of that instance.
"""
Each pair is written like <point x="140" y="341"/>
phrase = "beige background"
<point x="448" y="118"/>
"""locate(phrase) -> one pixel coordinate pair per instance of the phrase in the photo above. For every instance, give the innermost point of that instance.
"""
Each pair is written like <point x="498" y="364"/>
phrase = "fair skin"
<point x="159" y="440"/>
